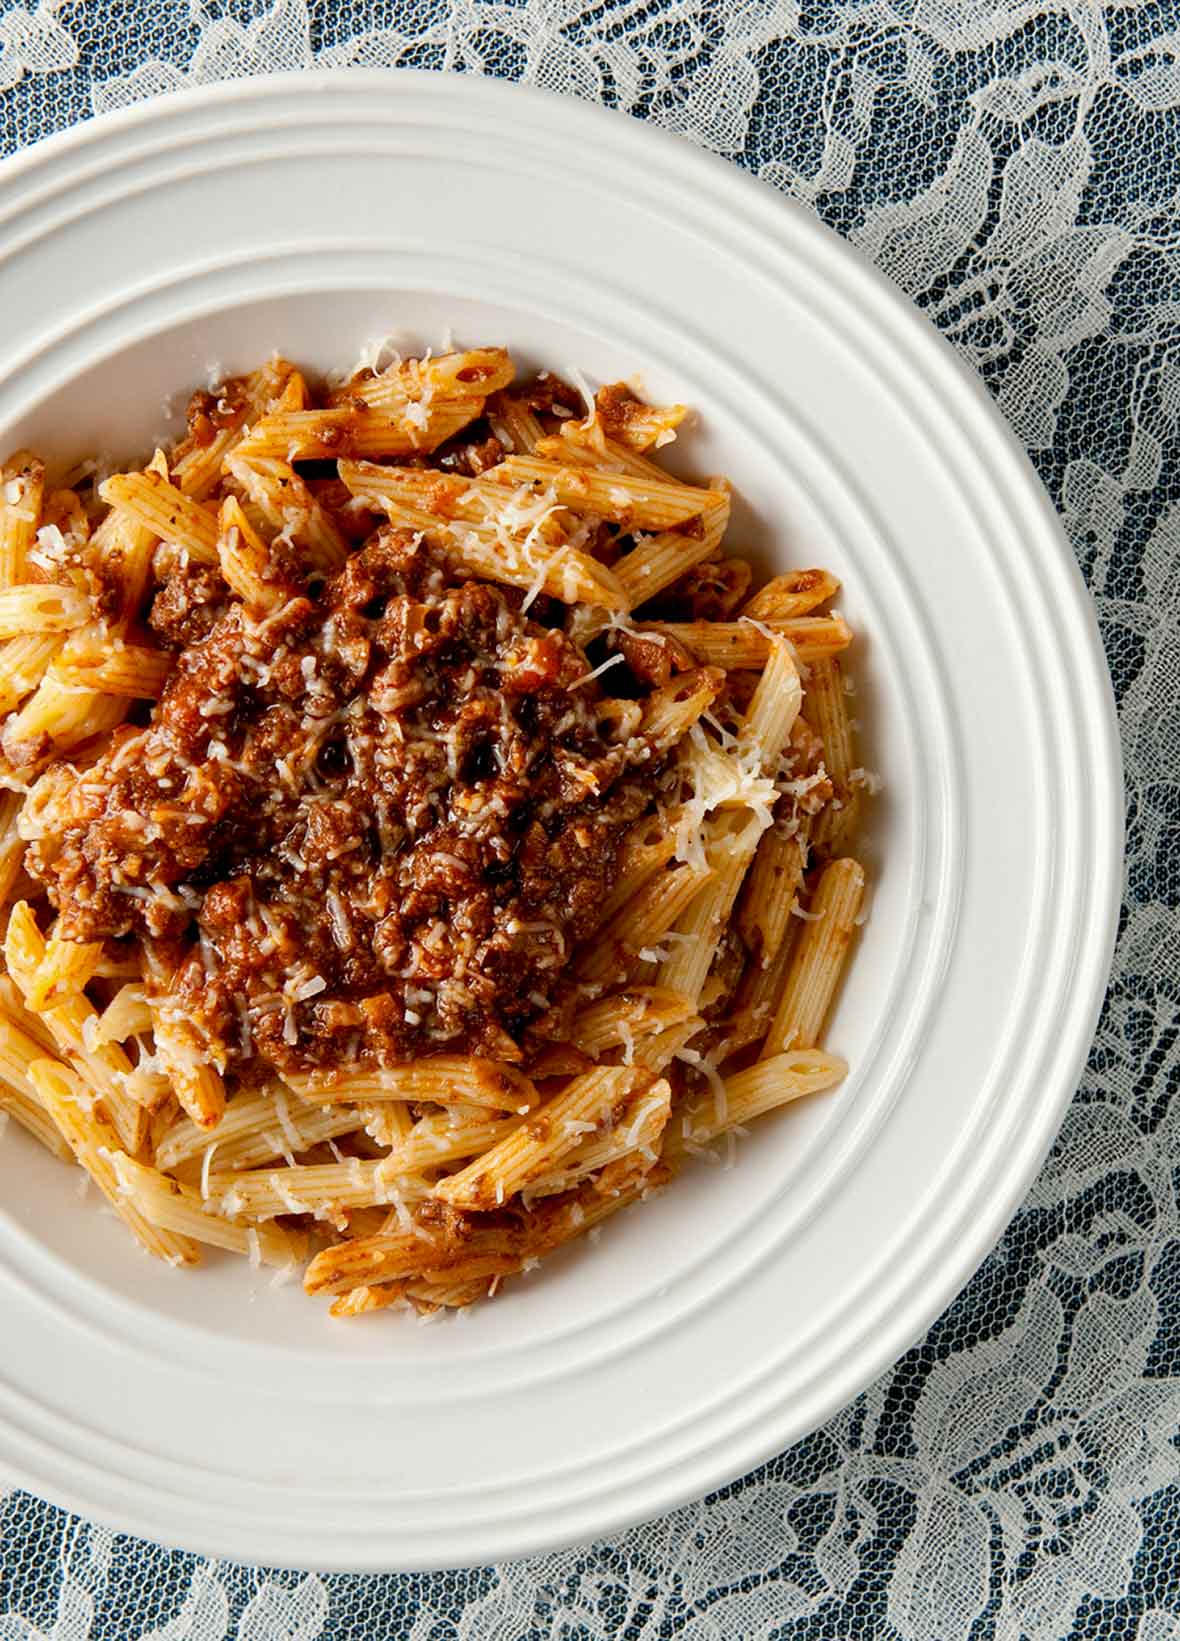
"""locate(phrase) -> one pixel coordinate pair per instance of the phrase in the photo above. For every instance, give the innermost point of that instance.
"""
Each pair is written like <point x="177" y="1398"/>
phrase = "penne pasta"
<point x="18" y="1100"/>
<point x="772" y="711"/>
<point x="393" y="1255"/>
<point x="447" y="1293"/>
<point x="39" y="607"/>
<point x="769" y="895"/>
<point x="319" y="1190"/>
<point x="13" y="1010"/>
<point x="629" y="1180"/>
<point x="62" y="711"/>
<point x="446" y="1079"/>
<point x="357" y="430"/>
<point x="672" y="711"/>
<point x="620" y="424"/>
<point x="649" y="844"/>
<point x="827" y="704"/>
<point x="437" y="1140"/>
<point x="787" y="596"/>
<point x="129" y="670"/>
<point x="198" y="1086"/>
<point x="157" y="505"/>
<point x="126" y="549"/>
<point x="818" y="960"/>
<point x="742" y="644"/>
<point x="179" y="1210"/>
<point x="32" y="1116"/>
<point x="261" y="1126"/>
<point x="126" y="1015"/>
<point x="278" y="1141"/>
<point x="450" y="498"/>
<point x="289" y="508"/>
<point x="22" y="489"/>
<point x="656" y="1053"/>
<point x="360" y="1301"/>
<point x="654" y="563"/>
<point x="246" y="561"/>
<point x="71" y="1024"/>
<point x="585" y="445"/>
<point x="23" y="663"/>
<point x="197" y="466"/>
<point x="636" y="1130"/>
<point x="18" y="1050"/>
<point x="12" y="845"/>
<point x="537" y="1145"/>
<point x="443" y="1262"/>
<point x="466" y="377"/>
<point x="65" y="970"/>
<point x="501" y="551"/>
<point x="763" y="1087"/>
<point x="636" y="503"/>
<point x="514" y="424"/>
<point x="388" y="1122"/>
<point x="639" y="924"/>
<point x="95" y="1147"/>
<point x="729" y="853"/>
<point x="616" y="1022"/>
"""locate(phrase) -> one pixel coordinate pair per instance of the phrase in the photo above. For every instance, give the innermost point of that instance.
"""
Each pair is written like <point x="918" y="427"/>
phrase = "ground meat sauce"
<point x="188" y="605"/>
<point x="369" y="825"/>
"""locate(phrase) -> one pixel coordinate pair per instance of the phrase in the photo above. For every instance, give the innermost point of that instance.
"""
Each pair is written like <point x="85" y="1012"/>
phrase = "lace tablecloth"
<point x="1015" y="166"/>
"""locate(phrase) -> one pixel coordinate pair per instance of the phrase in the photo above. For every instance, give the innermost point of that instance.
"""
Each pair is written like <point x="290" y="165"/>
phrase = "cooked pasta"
<point x="417" y="838"/>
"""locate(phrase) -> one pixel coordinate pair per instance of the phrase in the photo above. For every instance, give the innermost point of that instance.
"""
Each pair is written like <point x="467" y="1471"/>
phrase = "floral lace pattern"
<point x="1013" y="167"/>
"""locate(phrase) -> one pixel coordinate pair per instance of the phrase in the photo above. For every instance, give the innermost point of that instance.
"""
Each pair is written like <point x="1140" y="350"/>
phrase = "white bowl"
<point x="732" y="1315"/>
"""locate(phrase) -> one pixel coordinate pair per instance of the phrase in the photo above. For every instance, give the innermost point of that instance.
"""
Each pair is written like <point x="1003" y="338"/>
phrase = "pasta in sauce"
<point x="419" y="838"/>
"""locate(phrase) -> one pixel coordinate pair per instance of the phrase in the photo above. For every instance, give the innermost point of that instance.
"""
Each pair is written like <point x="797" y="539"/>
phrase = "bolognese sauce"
<point x="369" y="824"/>
<point x="310" y="788"/>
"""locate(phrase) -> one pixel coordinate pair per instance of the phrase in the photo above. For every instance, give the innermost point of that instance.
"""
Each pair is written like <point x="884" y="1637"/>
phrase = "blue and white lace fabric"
<point x="1014" y="165"/>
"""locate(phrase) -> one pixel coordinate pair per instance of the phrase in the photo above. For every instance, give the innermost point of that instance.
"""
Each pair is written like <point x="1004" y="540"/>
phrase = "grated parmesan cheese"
<point x="610" y="661"/>
<point x="720" y="779"/>
<point x="206" y="1165"/>
<point x="708" y="1069"/>
<point x="627" y="1038"/>
<point x="286" y="1196"/>
<point x="872" y="783"/>
<point x="575" y="377"/>
<point x="283" y="1112"/>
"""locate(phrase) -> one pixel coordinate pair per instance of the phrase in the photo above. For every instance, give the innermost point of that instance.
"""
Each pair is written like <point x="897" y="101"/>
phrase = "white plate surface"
<point x="732" y="1315"/>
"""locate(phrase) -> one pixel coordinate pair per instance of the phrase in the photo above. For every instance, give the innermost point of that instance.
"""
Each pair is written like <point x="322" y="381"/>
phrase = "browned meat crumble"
<point x="368" y="826"/>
